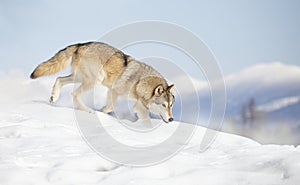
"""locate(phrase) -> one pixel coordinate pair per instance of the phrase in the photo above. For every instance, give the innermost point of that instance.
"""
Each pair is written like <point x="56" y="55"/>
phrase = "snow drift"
<point x="41" y="144"/>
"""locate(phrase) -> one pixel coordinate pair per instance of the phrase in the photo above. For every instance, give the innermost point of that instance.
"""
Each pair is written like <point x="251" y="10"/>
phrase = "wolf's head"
<point x="162" y="102"/>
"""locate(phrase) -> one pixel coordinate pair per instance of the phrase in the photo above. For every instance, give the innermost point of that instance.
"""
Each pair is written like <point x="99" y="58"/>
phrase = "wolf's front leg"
<point x="111" y="100"/>
<point x="141" y="110"/>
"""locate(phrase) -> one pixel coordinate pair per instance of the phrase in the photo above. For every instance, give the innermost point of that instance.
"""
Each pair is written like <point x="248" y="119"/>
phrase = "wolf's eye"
<point x="164" y="105"/>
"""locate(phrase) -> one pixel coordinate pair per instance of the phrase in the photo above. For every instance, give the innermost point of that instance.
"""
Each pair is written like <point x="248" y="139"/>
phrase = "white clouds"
<point x="187" y="84"/>
<point x="267" y="73"/>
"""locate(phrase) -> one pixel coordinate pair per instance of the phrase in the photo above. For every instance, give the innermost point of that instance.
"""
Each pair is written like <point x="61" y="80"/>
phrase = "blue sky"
<point x="240" y="33"/>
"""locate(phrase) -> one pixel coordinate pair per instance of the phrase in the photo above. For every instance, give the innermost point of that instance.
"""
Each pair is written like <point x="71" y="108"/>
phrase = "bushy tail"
<point x="55" y="64"/>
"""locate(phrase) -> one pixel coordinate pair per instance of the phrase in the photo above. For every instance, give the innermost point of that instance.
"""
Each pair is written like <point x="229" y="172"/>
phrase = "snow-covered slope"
<point x="41" y="144"/>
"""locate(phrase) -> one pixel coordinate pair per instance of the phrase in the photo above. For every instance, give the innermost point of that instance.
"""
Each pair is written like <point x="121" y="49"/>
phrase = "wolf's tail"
<point x="55" y="64"/>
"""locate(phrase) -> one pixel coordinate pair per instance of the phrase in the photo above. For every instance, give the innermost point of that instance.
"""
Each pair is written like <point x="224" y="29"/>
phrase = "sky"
<point x="240" y="33"/>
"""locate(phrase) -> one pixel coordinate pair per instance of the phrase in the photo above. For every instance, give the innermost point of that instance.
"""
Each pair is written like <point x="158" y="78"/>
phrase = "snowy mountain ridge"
<point x="279" y="104"/>
<point x="274" y="86"/>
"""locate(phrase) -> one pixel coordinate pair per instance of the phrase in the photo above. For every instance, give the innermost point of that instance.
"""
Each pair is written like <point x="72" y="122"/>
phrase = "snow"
<point x="41" y="144"/>
<point x="280" y="103"/>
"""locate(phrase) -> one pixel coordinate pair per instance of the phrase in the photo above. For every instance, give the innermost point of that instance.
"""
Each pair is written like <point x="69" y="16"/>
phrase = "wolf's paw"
<point x="106" y="109"/>
<point x="53" y="99"/>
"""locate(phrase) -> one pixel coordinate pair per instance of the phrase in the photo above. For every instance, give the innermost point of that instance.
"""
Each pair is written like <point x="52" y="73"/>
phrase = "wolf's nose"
<point x="171" y="119"/>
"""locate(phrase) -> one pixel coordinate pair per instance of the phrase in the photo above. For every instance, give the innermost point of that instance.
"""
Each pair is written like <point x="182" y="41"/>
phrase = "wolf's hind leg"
<point x="111" y="100"/>
<point x="141" y="110"/>
<point x="76" y="96"/>
<point x="59" y="83"/>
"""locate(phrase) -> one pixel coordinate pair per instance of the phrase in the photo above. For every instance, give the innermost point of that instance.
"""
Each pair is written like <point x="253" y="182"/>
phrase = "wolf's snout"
<point x="171" y="119"/>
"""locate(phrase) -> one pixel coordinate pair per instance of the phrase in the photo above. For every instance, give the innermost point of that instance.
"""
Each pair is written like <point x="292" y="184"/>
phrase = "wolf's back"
<point x="55" y="64"/>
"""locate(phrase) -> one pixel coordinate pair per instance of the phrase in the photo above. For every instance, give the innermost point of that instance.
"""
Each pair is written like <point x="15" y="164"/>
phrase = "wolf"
<point x="99" y="63"/>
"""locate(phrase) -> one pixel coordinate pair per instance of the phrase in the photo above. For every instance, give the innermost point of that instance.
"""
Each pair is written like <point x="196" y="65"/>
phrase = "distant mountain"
<point x="263" y="103"/>
<point x="274" y="88"/>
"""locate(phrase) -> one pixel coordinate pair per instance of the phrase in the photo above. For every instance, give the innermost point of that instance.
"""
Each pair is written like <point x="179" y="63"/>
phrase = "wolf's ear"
<point x="158" y="90"/>
<point x="170" y="88"/>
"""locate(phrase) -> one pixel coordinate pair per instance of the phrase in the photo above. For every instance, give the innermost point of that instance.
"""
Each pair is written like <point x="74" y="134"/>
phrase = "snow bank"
<point x="41" y="144"/>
